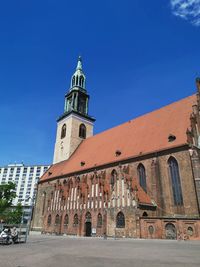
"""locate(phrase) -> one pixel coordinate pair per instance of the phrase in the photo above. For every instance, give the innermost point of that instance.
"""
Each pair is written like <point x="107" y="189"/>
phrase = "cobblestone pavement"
<point x="55" y="251"/>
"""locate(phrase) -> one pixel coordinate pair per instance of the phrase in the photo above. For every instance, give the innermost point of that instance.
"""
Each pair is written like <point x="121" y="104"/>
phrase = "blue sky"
<point x="137" y="55"/>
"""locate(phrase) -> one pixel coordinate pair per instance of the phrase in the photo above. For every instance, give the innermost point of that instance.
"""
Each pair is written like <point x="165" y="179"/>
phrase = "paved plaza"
<point x="61" y="251"/>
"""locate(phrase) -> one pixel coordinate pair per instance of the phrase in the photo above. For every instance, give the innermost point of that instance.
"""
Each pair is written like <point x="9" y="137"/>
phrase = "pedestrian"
<point x="14" y="235"/>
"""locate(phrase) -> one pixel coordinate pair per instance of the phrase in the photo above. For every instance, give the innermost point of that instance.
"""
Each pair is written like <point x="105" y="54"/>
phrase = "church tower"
<point x="75" y="124"/>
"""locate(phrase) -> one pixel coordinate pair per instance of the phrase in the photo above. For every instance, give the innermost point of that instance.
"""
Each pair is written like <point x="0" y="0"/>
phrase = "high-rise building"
<point x="26" y="179"/>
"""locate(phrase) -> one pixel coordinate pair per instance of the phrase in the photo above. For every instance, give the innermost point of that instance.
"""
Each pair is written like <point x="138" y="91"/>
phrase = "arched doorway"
<point x="88" y="224"/>
<point x="170" y="231"/>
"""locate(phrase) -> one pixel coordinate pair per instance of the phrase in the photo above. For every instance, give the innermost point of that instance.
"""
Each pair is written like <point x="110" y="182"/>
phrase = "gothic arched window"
<point x="63" y="131"/>
<point x="120" y="220"/>
<point x="82" y="131"/>
<point x="77" y="80"/>
<point x="81" y="81"/>
<point x="66" y="219"/>
<point x="57" y="220"/>
<point x="75" y="220"/>
<point x="88" y="216"/>
<point x="49" y="219"/>
<point x="99" y="220"/>
<point x="44" y="202"/>
<point x="142" y="176"/>
<point x="175" y="180"/>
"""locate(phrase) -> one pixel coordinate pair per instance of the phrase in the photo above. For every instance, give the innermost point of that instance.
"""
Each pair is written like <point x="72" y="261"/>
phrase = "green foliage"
<point x="8" y="214"/>
<point x="13" y="215"/>
<point x="7" y="194"/>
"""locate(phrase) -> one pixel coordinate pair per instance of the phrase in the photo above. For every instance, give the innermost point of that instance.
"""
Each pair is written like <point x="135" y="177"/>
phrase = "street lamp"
<point x="30" y="214"/>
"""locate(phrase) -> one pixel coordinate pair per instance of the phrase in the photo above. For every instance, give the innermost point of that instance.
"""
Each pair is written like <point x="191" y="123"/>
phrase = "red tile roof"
<point x="143" y="135"/>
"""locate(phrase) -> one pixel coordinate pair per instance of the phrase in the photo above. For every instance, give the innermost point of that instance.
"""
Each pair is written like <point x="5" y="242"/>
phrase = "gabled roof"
<point x="143" y="135"/>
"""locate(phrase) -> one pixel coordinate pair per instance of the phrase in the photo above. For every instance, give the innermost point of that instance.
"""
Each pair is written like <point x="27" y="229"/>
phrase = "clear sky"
<point x="138" y="55"/>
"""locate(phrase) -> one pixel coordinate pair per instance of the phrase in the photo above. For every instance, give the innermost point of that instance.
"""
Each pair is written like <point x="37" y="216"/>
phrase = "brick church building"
<point x="140" y="179"/>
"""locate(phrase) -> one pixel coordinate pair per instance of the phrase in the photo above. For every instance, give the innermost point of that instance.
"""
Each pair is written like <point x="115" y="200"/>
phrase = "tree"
<point x="7" y="194"/>
<point x="8" y="213"/>
<point x="13" y="215"/>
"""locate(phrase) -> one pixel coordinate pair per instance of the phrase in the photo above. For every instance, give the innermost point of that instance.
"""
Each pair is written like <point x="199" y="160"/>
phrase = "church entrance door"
<point x="88" y="229"/>
<point x="88" y="224"/>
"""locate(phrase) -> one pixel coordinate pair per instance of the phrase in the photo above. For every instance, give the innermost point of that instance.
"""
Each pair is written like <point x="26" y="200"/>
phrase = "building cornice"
<point x="73" y="112"/>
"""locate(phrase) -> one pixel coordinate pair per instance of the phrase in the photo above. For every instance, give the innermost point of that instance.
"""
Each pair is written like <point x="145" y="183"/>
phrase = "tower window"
<point x="73" y="81"/>
<point x="142" y="177"/>
<point x="82" y="131"/>
<point x="81" y="81"/>
<point x="175" y="180"/>
<point x="63" y="131"/>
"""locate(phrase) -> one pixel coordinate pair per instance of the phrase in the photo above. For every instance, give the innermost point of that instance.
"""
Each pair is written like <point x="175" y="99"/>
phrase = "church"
<point x="140" y="179"/>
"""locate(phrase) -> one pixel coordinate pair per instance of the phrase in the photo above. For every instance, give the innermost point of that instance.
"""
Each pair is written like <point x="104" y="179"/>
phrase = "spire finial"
<point x="79" y="64"/>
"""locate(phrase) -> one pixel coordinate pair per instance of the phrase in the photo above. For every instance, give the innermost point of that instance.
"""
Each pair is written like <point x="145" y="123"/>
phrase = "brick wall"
<point x="93" y="192"/>
<point x="184" y="228"/>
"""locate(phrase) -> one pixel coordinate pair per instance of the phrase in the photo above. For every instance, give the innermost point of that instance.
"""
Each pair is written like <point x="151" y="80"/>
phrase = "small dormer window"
<point x="82" y="163"/>
<point x="171" y="138"/>
<point x="118" y="153"/>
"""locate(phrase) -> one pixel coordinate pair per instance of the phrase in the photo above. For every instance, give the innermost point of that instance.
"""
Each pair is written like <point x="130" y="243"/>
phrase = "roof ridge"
<point x="139" y="117"/>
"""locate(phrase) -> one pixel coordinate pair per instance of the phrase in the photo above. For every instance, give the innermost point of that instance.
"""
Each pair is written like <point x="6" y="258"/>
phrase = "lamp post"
<point x="30" y="214"/>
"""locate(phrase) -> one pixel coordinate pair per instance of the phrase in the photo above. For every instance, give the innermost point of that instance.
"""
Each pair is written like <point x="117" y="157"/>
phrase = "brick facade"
<point x="93" y="192"/>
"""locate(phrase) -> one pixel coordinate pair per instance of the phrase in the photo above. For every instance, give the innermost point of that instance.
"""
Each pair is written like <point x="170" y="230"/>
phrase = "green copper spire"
<point x="78" y="78"/>
<point x="79" y="64"/>
<point x="77" y="98"/>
